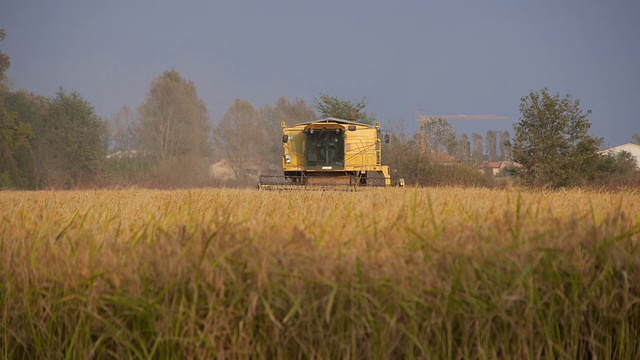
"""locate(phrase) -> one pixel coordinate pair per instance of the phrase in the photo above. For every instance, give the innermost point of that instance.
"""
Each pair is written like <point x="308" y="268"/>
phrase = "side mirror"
<point x="386" y="139"/>
<point x="285" y="138"/>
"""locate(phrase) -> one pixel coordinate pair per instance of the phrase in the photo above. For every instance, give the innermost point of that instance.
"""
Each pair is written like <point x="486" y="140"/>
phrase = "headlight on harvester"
<point x="287" y="158"/>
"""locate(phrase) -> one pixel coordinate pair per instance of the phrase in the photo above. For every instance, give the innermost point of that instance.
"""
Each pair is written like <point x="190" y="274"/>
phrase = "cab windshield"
<point x="325" y="148"/>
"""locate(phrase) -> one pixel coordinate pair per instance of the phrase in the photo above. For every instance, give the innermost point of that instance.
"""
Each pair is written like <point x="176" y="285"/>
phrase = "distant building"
<point x="631" y="148"/>
<point x="494" y="167"/>
<point x="123" y="154"/>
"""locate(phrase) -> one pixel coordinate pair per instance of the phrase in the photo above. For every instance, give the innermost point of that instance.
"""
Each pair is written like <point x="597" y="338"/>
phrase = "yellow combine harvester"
<point x="330" y="153"/>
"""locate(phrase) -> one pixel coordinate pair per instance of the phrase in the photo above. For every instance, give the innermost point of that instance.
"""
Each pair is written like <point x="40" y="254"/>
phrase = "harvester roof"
<point x="333" y="120"/>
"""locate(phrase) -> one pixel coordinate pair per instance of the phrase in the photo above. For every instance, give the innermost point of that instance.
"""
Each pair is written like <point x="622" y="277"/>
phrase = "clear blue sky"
<point x="439" y="57"/>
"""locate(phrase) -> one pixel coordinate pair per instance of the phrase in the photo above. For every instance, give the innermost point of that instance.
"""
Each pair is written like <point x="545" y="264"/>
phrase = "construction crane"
<point x="424" y="119"/>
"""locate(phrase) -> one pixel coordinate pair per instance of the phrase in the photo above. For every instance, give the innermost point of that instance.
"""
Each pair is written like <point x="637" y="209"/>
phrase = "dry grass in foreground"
<point x="424" y="273"/>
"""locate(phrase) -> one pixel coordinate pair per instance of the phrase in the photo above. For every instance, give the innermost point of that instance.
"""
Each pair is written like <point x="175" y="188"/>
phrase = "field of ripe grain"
<point x="415" y="273"/>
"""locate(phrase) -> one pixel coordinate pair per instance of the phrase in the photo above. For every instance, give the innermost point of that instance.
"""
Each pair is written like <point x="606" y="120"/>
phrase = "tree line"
<point x="170" y="141"/>
<point x="551" y="148"/>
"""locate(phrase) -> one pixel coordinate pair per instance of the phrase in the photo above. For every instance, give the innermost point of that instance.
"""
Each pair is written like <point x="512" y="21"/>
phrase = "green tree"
<point x="616" y="163"/>
<point x="617" y="169"/>
<point x="552" y="142"/>
<point x="5" y="63"/>
<point x="29" y="107"/>
<point x="16" y="155"/>
<point x="332" y="106"/>
<point x="31" y="110"/>
<point x="74" y="138"/>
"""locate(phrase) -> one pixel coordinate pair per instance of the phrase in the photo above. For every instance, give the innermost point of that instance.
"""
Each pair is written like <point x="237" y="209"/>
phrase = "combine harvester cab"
<point x="330" y="153"/>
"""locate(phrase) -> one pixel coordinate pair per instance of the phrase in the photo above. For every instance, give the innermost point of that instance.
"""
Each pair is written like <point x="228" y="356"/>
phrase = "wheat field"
<point x="381" y="273"/>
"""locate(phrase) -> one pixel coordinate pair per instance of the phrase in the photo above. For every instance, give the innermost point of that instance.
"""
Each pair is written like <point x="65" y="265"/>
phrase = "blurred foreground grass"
<point x="401" y="273"/>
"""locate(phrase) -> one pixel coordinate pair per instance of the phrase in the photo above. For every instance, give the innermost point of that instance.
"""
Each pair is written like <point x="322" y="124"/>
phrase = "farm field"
<point x="400" y="273"/>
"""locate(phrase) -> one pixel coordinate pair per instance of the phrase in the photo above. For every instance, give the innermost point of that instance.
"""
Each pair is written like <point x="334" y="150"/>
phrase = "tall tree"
<point x="505" y="146"/>
<point x="16" y="155"/>
<point x="402" y="153"/>
<point x="635" y="139"/>
<point x="74" y="138"/>
<point x="5" y="62"/>
<point x="30" y="110"/>
<point x="124" y="160"/>
<point x="332" y="106"/>
<point x="552" y="141"/>
<point x="491" y="142"/>
<point x="271" y="118"/>
<point x="477" y="154"/>
<point x="240" y="137"/>
<point x="123" y="133"/>
<point x="173" y="120"/>
<point x="463" y="150"/>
